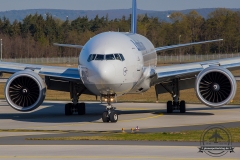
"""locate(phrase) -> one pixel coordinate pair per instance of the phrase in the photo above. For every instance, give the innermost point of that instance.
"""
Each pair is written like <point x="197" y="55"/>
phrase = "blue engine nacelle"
<point x="25" y="91"/>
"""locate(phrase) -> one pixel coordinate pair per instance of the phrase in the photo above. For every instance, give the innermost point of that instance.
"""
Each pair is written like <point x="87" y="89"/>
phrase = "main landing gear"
<point x="175" y="104"/>
<point x="78" y="108"/>
<point x="110" y="115"/>
<point x="172" y="105"/>
<point x="75" y="107"/>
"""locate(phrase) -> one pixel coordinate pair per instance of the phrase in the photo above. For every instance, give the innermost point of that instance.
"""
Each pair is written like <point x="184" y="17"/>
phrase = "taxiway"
<point x="49" y="120"/>
<point x="149" y="117"/>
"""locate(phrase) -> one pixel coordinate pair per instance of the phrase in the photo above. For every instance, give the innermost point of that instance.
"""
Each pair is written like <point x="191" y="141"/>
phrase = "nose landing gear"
<point x="110" y="115"/>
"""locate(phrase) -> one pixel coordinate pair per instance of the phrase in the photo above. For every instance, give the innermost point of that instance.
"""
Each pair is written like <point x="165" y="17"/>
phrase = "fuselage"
<point x="115" y="63"/>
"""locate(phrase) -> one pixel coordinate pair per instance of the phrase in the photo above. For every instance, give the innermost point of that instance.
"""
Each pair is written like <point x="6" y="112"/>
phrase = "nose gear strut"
<point x="110" y="114"/>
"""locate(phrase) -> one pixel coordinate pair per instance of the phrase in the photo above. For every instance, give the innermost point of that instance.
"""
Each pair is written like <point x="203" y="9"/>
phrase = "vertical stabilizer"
<point x="134" y="16"/>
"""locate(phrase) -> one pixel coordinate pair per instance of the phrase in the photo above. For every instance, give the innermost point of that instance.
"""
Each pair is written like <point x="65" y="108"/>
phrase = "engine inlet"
<point x="215" y="87"/>
<point x="24" y="91"/>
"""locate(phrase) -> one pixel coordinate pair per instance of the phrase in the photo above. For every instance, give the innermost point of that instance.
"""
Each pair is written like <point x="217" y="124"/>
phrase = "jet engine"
<point x="215" y="86"/>
<point x="25" y="90"/>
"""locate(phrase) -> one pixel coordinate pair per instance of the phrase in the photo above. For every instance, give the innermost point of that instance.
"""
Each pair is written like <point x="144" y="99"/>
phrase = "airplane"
<point x="216" y="136"/>
<point x="112" y="64"/>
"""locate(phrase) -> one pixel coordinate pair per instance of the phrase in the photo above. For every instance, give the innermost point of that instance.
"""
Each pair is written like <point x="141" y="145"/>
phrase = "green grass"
<point x="186" y="136"/>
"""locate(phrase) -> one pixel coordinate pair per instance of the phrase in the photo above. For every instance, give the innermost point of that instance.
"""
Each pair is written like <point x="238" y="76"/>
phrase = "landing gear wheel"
<point x="169" y="107"/>
<point x="182" y="107"/>
<point x="105" y="117"/>
<point x="81" y="108"/>
<point x="113" y="117"/>
<point x="68" y="109"/>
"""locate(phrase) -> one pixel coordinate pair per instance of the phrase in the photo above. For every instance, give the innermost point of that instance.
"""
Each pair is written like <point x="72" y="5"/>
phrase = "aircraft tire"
<point x="182" y="107"/>
<point x="105" y="117"/>
<point x="113" y="117"/>
<point x="169" y="107"/>
<point x="68" y="109"/>
<point x="81" y="108"/>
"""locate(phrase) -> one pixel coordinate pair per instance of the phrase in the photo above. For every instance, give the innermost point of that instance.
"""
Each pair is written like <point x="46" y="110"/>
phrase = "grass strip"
<point x="186" y="136"/>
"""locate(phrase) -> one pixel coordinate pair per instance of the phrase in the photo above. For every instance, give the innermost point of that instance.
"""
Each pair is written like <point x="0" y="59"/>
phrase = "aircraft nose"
<point x="107" y="73"/>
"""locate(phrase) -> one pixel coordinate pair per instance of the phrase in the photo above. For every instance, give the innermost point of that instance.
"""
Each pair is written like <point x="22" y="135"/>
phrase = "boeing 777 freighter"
<point x="112" y="64"/>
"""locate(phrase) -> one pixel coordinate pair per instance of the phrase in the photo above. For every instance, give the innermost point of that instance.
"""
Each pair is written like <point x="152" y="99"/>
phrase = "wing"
<point x="68" y="45"/>
<point x="190" y="69"/>
<point x="165" y="48"/>
<point x="166" y="73"/>
<point x="56" y="78"/>
<point x="71" y="74"/>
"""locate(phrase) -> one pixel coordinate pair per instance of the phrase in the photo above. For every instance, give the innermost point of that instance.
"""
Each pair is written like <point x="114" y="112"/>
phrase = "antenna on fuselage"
<point x="134" y="17"/>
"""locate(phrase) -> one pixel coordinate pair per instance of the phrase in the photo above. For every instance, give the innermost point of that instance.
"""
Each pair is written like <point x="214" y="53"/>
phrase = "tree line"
<point x="35" y="34"/>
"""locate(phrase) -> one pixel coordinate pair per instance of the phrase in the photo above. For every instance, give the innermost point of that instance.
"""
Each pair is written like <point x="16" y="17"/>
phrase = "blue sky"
<point x="159" y="5"/>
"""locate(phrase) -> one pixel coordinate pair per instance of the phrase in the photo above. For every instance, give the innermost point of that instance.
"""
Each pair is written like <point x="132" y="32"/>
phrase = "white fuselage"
<point x="117" y="76"/>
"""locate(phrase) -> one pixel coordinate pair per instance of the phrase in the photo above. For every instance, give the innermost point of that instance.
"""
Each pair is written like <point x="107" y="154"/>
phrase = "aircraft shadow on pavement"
<point x="209" y="108"/>
<point x="189" y="114"/>
<point x="157" y="112"/>
<point x="54" y="113"/>
<point x="140" y="111"/>
<point x="195" y="111"/>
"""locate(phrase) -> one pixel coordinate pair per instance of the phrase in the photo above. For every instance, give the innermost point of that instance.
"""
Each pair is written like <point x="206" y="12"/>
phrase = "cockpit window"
<point x="117" y="57"/>
<point x="91" y="57"/>
<point x="122" y="57"/>
<point x="99" y="57"/>
<point x="110" y="57"/>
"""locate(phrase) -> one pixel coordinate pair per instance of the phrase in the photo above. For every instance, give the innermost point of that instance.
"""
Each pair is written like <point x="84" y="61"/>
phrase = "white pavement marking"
<point x="10" y="134"/>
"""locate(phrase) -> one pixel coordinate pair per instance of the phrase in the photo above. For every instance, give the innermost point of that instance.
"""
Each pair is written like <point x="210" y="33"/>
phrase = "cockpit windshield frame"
<point x="91" y="57"/>
<point x="110" y="57"/>
<point x="107" y="57"/>
<point x="100" y="57"/>
<point x="117" y="56"/>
